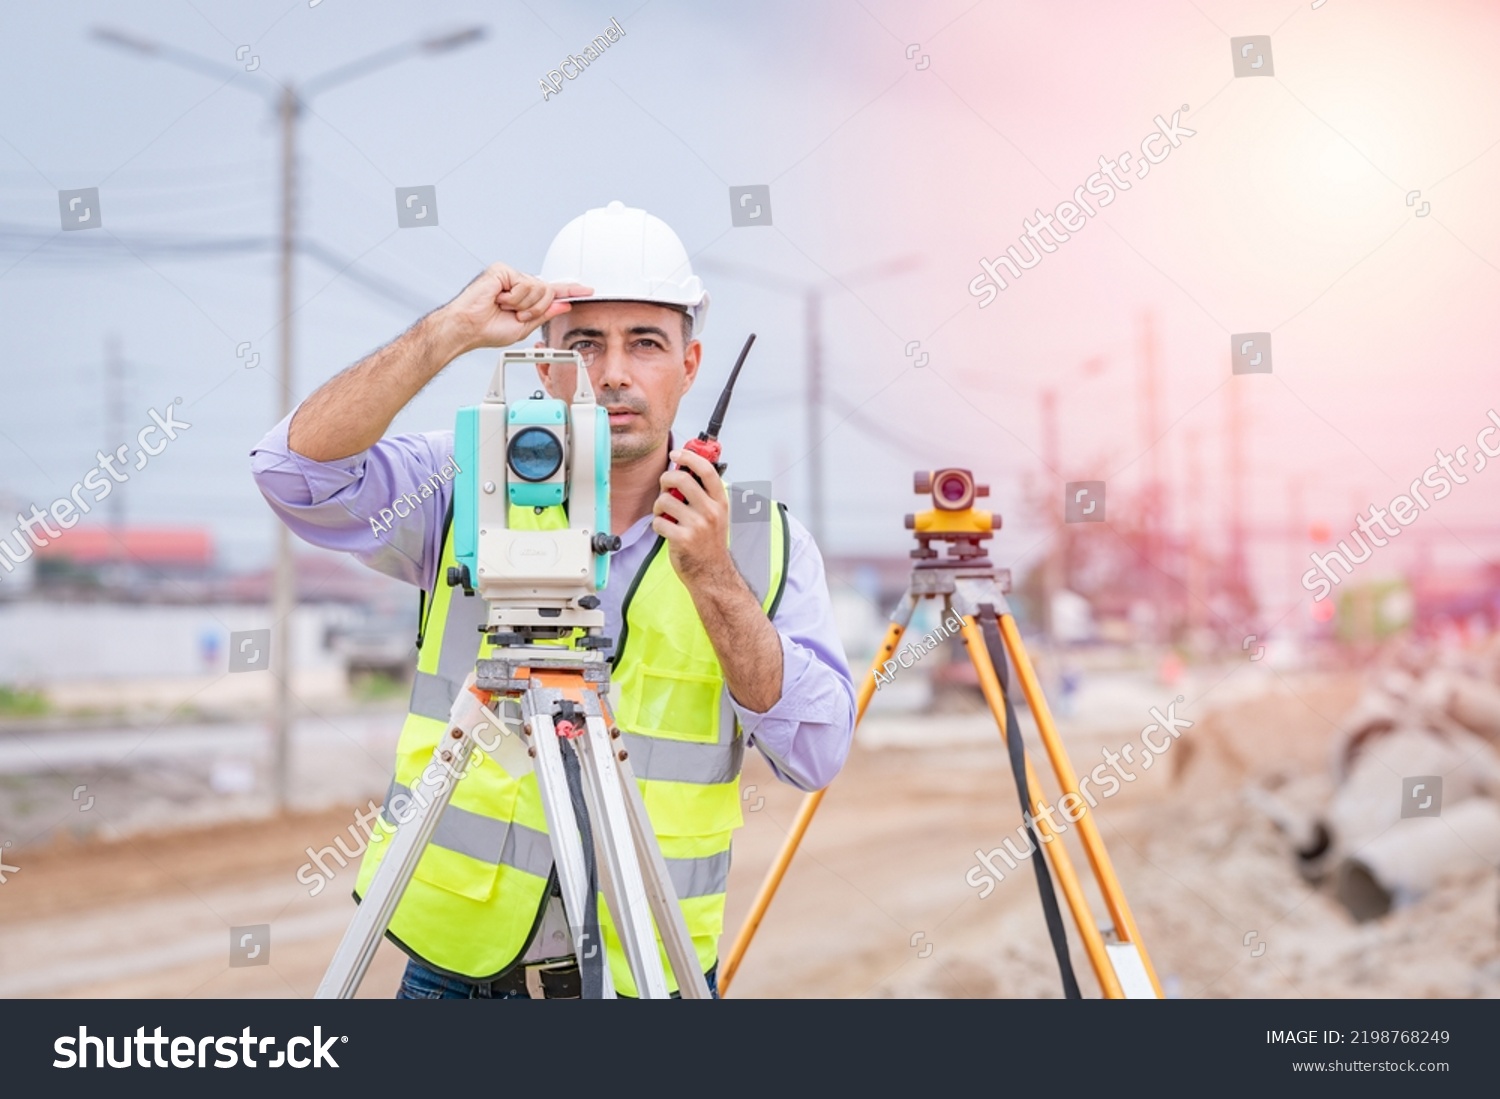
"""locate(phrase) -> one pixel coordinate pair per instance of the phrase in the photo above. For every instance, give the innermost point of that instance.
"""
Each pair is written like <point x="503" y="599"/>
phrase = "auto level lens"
<point x="535" y="454"/>
<point x="954" y="491"/>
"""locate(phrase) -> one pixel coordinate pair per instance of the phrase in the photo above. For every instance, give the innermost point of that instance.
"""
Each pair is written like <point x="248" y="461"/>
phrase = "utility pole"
<point x="1234" y="452"/>
<point x="1055" y="566"/>
<point x="812" y="319"/>
<point x="1296" y="549"/>
<point x="813" y="322"/>
<point x="1052" y="477"/>
<point x="1193" y="513"/>
<point x="284" y="591"/>
<point x="114" y="419"/>
<point x="288" y="106"/>
<point x="1154" y="510"/>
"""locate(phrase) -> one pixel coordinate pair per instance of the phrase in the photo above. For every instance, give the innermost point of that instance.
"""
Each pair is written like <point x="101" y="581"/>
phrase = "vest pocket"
<point x="458" y="873"/>
<point x="463" y="856"/>
<point x="673" y="705"/>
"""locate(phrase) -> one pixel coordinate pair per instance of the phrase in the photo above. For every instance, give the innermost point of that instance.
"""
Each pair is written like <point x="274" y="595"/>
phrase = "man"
<point x="719" y="642"/>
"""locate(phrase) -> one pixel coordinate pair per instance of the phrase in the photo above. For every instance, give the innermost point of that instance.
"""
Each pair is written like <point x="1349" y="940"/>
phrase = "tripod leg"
<point x="562" y="825"/>
<point x="620" y="872"/>
<point x="900" y="619"/>
<point x="1093" y="843"/>
<point x="432" y="792"/>
<point x="1056" y="852"/>
<point x="664" y="907"/>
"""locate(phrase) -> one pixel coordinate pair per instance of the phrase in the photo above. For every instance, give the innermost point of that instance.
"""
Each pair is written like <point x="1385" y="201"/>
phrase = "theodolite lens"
<point x="535" y="454"/>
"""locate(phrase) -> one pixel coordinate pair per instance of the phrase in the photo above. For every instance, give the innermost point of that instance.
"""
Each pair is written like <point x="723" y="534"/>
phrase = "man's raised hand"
<point x="502" y="306"/>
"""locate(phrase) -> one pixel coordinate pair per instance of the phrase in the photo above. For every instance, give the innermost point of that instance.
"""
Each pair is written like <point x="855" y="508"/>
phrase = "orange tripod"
<point x="973" y="590"/>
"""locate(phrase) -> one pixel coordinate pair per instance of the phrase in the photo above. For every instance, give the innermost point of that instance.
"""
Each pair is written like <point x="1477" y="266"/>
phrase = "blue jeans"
<point x="422" y="983"/>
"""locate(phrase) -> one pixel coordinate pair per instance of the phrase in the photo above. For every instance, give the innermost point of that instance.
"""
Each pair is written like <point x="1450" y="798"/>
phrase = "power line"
<point x="90" y="250"/>
<point x="81" y="254"/>
<point x="378" y="285"/>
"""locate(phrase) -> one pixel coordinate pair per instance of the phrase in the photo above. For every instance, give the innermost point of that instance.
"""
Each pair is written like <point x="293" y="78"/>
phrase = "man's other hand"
<point x="503" y="306"/>
<point x="698" y="540"/>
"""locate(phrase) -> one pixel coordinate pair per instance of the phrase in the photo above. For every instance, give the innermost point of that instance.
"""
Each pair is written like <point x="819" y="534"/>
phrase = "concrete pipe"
<point x="1417" y="854"/>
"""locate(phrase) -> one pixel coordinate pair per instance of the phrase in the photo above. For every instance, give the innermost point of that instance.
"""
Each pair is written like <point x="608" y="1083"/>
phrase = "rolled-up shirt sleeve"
<point x="384" y="506"/>
<point x="805" y="735"/>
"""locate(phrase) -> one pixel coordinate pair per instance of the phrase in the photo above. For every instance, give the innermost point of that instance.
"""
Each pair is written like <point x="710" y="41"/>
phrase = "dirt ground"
<point x="876" y="904"/>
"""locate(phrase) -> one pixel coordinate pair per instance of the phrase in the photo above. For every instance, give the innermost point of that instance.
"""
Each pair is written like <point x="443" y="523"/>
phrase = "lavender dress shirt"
<point x="805" y="736"/>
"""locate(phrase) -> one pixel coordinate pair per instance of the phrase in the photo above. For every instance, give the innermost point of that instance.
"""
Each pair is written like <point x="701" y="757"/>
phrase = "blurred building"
<point x="153" y="603"/>
<point x="1464" y="599"/>
<point x="135" y="563"/>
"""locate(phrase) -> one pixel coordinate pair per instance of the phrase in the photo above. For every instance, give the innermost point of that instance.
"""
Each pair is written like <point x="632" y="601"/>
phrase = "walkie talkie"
<point x="707" y="442"/>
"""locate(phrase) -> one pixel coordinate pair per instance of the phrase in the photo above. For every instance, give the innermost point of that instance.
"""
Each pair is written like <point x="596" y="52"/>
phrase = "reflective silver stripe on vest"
<point x="750" y="537"/>
<point x="484" y="838"/>
<point x="699" y="877"/>
<point x="664" y="760"/>
<point x="752" y="530"/>
<point x="432" y="695"/>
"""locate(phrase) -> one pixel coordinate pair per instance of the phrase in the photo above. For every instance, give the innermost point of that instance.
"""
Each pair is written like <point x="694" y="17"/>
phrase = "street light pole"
<point x="288" y="110"/>
<point x="1054" y="566"/>
<point x="813" y="321"/>
<point x="284" y="591"/>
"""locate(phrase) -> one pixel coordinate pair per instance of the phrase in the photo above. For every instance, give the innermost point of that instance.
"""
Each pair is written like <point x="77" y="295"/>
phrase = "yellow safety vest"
<point x="481" y="887"/>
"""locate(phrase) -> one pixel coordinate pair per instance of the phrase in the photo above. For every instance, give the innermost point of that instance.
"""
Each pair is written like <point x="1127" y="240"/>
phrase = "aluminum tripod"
<point x="562" y="696"/>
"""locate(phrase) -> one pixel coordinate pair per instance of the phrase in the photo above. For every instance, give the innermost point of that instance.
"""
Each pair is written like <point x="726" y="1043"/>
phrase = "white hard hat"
<point x="625" y="254"/>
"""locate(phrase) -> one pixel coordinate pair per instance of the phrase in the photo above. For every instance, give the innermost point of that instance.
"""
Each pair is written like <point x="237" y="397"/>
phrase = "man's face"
<point x="639" y="365"/>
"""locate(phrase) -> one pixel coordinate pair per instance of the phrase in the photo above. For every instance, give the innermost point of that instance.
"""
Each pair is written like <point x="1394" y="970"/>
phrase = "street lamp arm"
<point x="876" y="272"/>
<point x="754" y="276"/>
<point x="179" y="57"/>
<point x="390" y="56"/>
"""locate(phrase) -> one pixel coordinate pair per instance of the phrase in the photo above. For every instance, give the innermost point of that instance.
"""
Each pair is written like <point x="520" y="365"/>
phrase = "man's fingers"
<point x="524" y="305"/>
<point x="536" y="302"/>
<point x="526" y="291"/>
<point x="520" y="291"/>
<point x="666" y="528"/>
<point x="529" y="297"/>
<point x="667" y="504"/>
<point x="683" y="482"/>
<point x="504" y="273"/>
<point x="693" y="461"/>
<point x="707" y="474"/>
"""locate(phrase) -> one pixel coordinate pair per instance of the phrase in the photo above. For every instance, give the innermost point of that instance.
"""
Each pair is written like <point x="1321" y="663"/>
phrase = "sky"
<point x="914" y="138"/>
